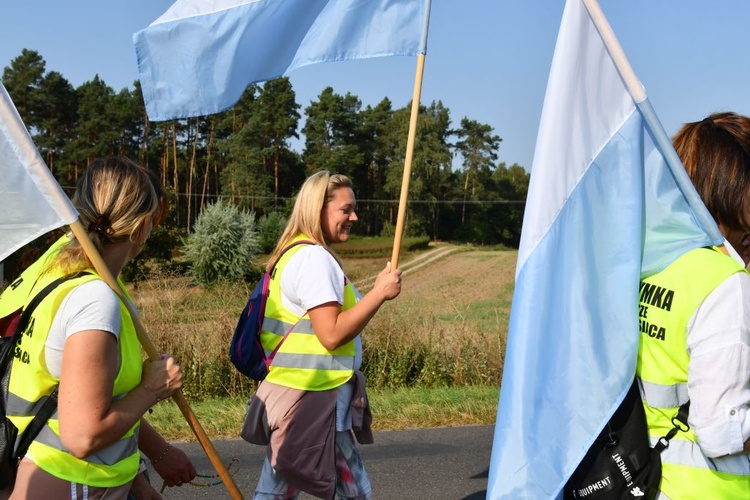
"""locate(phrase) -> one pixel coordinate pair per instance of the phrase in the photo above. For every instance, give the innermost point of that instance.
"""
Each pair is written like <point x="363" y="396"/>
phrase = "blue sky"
<point x="487" y="60"/>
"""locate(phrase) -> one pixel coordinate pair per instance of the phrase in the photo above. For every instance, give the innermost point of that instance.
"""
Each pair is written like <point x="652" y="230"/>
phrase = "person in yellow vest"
<point x="314" y="391"/>
<point x="695" y="327"/>
<point x="82" y="338"/>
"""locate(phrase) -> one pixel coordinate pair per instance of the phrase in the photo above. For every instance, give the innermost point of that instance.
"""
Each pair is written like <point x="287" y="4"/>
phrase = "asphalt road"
<point x="444" y="463"/>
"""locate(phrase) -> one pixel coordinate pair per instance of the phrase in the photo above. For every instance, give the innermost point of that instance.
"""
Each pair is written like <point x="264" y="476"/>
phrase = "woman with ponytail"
<point x="82" y="341"/>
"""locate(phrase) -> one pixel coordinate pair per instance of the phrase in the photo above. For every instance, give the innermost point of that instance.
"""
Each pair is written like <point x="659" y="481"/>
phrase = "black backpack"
<point x="621" y="464"/>
<point x="12" y="446"/>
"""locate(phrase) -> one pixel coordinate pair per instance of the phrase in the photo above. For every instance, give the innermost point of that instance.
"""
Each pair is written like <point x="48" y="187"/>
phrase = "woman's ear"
<point x="724" y="230"/>
<point x="144" y="232"/>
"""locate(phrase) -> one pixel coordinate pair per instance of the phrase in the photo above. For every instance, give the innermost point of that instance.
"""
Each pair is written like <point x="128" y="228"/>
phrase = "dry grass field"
<point x="433" y="356"/>
<point x="461" y="284"/>
<point x="451" y="320"/>
<point x="447" y="328"/>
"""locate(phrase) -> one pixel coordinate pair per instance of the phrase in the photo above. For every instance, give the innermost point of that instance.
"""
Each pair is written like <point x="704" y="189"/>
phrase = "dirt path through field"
<point x="417" y="262"/>
<point x="455" y="283"/>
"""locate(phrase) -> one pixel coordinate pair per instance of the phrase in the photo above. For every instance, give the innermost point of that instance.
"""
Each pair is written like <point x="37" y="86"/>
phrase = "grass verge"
<point x="393" y="409"/>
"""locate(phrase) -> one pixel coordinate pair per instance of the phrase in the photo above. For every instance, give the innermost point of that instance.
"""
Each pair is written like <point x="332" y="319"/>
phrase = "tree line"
<point x="243" y="155"/>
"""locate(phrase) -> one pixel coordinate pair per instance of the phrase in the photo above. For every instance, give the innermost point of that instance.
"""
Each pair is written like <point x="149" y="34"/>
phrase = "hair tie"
<point x="101" y="226"/>
<point x="708" y="121"/>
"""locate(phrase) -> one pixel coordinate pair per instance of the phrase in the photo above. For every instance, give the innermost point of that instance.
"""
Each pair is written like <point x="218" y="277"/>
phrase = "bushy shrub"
<point x="223" y="244"/>
<point x="270" y="228"/>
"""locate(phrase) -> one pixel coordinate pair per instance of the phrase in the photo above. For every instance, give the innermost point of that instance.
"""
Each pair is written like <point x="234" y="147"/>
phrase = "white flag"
<point x="33" y="203"/>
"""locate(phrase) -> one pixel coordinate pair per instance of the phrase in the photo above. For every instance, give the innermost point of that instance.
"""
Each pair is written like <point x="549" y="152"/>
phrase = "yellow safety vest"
<point x="302" y="362"/>
<point x="17" y="293"/>
<point x="668" y="300"/>
<point x="31" y="383"/>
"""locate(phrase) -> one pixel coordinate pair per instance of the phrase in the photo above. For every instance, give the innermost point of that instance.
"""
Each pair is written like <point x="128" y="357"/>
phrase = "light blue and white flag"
<point x="33" y="202"/>
<point x="609" y="202"/>
<point x="199" y="56"/>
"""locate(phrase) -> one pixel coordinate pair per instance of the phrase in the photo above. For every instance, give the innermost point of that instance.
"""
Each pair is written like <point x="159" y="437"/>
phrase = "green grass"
<point x="416" y="407"/>
<point x="222" y="418"/>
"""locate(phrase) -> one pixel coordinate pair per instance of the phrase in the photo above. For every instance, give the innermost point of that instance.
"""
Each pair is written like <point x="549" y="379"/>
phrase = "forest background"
<point x="458" y="191"/>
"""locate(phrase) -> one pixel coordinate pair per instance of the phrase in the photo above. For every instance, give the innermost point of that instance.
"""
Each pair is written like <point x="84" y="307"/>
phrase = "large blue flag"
<point x="199" y="56"/>
<point x="609" y="202"/>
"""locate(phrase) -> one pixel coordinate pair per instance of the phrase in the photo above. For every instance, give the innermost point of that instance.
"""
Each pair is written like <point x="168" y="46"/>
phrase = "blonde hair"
<point x="114" y="199"/>
<point x="312" y="199"/>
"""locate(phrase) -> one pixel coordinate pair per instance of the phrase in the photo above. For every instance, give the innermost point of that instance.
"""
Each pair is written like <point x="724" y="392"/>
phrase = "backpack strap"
<point x="49" y="406"/>
<point x="270" y="357"/>
<point x="36" y="425"/>
<point x="36" y="300"/>
<point x="287" y="248"/>
<point x="679" y="422"/>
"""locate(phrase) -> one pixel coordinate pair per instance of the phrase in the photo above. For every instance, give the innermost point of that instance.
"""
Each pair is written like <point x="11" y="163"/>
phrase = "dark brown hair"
<point x="716" y="155"/>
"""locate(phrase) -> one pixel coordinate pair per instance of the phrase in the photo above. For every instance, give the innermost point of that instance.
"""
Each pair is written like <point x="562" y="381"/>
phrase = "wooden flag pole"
<point x="398" y="236"/>
<point x="615" y="50"/>
<point x="148" y="346"/>
<point x="659" y="135"/>
<point x="407" y="161"/>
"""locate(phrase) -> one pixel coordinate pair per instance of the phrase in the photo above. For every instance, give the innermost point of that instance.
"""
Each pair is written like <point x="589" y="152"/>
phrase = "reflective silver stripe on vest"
<point x="280" y="327"/>
<point x="19" y="407"/>
<point x="313" y="361"/>
<point x="682" y="452"/>
<point x="108" y="456"/>
<point x="663" y="396"/>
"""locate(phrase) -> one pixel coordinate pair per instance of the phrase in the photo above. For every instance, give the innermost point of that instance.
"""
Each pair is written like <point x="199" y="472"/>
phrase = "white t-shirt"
<point x="312" y="277"/>
<point x="90" y="306"/>
<point x="718" y="341"/>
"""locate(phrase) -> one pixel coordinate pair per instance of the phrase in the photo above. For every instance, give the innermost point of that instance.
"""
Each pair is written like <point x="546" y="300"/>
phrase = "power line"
<point x="385" y="202"/>
<point x="362" y="201"/>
